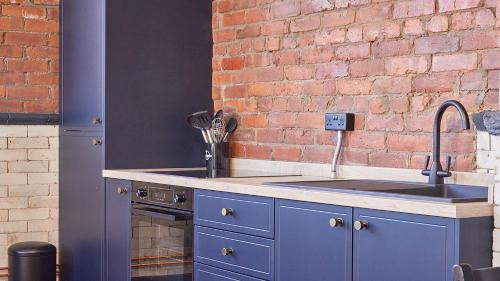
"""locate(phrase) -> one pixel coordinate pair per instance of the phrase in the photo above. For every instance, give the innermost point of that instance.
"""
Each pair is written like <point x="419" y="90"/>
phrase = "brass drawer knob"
<point x="226" y="251"/>
<point x="226" y="212"/>
<point x="96" y="142"/>
<point x="336" y="222"/>
<point x="121" y="190"/>
<point x="360" y="225"/>
<point x="96" y="121"/>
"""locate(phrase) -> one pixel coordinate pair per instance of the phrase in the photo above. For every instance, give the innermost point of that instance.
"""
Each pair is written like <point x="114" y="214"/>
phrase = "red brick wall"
<point x="280" y="65"/>
<point x="29" y="56"/>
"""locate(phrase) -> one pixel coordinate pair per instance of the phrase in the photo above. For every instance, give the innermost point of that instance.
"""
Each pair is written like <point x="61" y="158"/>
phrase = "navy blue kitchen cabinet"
<point x="304" y="241"/>
<point x="234" y="212"/>
<point x="131" y="72"/>
<point x="396" y="246"/>
<point x="118" y="229"/>
<point x="234" y="236"/>
<point x="209" y="273"/>
<point x="82" y="37"/>
<point x="371" y="245"/>
<point x="313" y="242"/>
<point x="240" y="253"/>
<point x="402" y="247"/>
<point x="82" y="245"/>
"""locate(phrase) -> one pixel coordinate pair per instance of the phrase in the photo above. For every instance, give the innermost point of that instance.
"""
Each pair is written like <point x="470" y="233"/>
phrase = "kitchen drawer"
<point x="241" y="253"/>
<point x="208" y="273"/>
<point x="243" y="213"/>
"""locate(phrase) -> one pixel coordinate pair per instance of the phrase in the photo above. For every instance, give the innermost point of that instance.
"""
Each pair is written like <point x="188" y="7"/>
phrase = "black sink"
<point x="451" y="193"/>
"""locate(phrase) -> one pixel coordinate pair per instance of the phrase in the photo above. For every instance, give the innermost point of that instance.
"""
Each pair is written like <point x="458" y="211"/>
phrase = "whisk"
<point x="218" y="130"/>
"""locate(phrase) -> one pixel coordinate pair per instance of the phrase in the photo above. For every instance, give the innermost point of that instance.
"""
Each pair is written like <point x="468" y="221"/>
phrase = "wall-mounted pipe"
<point x="340" y="136"/>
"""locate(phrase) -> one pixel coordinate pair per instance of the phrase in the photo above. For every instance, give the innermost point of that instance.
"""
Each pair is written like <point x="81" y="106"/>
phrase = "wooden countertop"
<point x="255" y="186"/>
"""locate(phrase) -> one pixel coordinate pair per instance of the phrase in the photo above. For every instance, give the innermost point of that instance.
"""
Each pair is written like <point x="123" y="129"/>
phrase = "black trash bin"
<point x="32" y="261"/>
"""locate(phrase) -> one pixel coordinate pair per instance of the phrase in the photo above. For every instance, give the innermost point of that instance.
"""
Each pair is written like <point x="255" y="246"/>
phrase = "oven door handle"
<point x="161" y="213"/>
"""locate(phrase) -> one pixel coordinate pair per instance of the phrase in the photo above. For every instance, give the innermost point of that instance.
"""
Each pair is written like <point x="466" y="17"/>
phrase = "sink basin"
<point x="450" y="193"/>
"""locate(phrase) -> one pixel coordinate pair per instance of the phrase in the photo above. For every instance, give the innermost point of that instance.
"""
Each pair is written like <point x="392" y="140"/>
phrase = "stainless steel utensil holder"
<point x="217" y="160"/>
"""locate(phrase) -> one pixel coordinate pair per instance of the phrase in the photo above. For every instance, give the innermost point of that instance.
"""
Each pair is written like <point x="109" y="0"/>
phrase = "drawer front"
<point x="248" y="255"/>
<point x="208" y="273"/>
<point x="234" y="212"/>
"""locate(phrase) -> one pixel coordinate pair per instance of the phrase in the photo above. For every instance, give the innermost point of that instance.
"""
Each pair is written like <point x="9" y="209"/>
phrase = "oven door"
<point x="162" y="244"/>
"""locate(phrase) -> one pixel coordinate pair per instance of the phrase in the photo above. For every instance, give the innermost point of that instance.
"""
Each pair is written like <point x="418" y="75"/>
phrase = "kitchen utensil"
<point x="193" y="122"/>
<point x="231" y="126"/>
<point x="201" y="120"/>
<point x="219" y="114"/>
<point x="218" y="130"/>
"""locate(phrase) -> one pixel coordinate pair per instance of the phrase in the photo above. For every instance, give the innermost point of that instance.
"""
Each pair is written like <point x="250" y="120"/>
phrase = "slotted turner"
<point x="201" y="120"/>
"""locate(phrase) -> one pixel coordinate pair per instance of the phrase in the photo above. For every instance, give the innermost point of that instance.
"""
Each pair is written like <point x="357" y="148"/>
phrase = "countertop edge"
<point x="254" y="186"/>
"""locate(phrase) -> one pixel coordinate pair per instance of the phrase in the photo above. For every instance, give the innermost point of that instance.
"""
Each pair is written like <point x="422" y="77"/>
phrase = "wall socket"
<point x="339" y="121"/>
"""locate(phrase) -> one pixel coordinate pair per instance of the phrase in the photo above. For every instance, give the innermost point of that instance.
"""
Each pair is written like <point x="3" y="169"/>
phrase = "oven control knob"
<point x="141" y="193"/>
<point x="180" y="198"/>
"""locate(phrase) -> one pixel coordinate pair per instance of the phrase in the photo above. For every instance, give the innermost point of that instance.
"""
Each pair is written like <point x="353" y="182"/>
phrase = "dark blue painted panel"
<point x="251" y="215"/>
<point x="118" y="229"/>
<point x="208" y="273"/>
<point x="474" y="240"/>
<point x="308" y="248"/>
<point x="252" y="256"/>
<point x="398" y="246"/>
<point x="81" y="201"/>
<point x="82" y="58"/>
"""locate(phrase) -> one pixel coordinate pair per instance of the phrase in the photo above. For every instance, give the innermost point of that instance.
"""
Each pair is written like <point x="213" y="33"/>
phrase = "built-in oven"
<point x="162" y="233"/>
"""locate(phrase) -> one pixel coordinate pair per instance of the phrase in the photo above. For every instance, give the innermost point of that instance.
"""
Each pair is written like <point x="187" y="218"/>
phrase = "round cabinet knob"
<point x="336" y="222"/>
<point x="226" y="212"/>
<point x="96" y="142"/>
<point x="141" y="193"/>
<point x="180" y="198"/>
<point x="360" y="225"/>
<point x="226" y="251"/>
<point x="96" y="121"/>
<point x="121" y="190"/>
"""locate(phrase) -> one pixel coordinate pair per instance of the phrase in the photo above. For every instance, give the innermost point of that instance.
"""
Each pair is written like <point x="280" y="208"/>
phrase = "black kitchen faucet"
<point x="436" y="173"/>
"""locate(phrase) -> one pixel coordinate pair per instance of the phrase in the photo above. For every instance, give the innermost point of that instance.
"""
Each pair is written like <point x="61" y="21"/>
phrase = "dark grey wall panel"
<point x="158" y="70"/>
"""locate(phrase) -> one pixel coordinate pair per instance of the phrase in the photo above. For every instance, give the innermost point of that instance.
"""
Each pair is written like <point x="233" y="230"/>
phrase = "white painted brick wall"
<point x="28" y="185"/>
<point x="495" y="148"/>
<point x="485" y="153"/>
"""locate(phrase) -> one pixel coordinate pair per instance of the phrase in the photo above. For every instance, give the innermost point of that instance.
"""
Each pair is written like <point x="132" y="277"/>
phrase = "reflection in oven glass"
<point x="161" y="249"/>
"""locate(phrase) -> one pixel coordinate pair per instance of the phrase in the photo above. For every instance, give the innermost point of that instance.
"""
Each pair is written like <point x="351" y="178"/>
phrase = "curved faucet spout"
<point x="436" y="173"/>
<point x="436" y="144"/>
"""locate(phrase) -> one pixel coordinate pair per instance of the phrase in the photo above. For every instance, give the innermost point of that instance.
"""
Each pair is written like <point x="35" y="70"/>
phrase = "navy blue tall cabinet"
<point x="131" y="73"/>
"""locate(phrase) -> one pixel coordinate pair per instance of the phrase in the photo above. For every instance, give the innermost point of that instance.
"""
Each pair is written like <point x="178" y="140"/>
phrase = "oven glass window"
<point x="162" y="250"/>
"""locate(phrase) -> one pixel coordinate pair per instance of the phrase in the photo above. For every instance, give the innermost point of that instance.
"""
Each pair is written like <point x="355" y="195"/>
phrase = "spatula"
<point x="202" y="120"/>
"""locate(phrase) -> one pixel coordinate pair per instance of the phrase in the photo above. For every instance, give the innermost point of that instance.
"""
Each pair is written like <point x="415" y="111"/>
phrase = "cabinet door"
<point x="82" y="61"/>
<point x="313" y="242"/>
<point x="81" y="208"/>
<point x="208" y="273"/>
<point x="407" y="247"/>
<point x="118" y="229"/>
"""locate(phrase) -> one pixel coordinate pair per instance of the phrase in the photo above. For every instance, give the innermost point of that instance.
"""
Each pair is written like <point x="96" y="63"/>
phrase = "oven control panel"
<point x="164" y="195"/>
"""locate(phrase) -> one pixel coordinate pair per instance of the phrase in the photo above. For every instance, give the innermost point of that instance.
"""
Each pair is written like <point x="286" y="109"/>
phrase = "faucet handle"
<point x="448" y="163"/>
<point x="427" y="161"/>
<point x="426" y="171"/>
<point x="446" y="173"/>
